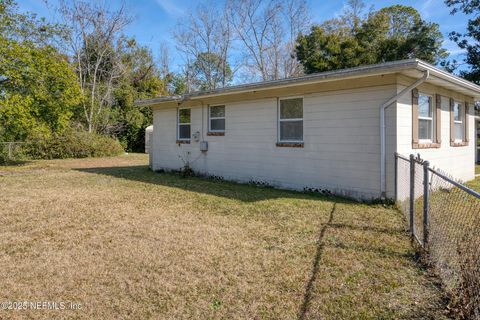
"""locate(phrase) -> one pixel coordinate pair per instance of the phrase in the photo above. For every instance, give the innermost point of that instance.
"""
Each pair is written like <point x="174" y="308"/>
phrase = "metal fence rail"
<point x="444" y="217"/>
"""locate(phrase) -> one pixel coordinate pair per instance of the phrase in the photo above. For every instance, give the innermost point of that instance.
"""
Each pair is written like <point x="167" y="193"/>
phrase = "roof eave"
<point x="357" y="72"/>
<point x="363" y="71"/>
<point x="436" y="72"/>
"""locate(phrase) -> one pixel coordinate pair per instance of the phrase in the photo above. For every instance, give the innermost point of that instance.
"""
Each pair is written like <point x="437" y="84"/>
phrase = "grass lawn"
<point x="477" y="169"/>
<point x="128" y="243"/>
<point x="474" y="184"/>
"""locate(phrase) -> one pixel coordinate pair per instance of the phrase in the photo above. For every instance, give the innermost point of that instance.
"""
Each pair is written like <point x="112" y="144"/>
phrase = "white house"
<point x="334" y="131"/>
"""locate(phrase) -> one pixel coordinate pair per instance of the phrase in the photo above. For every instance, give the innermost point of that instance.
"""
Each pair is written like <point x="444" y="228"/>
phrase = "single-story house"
<point x="332" y="131"/>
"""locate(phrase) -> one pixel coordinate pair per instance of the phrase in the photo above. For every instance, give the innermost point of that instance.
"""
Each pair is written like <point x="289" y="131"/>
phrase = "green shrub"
<point x="3" y="155"/>
<point x="12" y="153"/>
<point x="72" y="144"/>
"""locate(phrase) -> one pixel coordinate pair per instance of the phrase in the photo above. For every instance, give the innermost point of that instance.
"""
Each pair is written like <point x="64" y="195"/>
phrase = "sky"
<point x="155" y="20"/>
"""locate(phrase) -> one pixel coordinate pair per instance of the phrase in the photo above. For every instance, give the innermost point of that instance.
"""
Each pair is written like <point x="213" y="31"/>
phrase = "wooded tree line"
<point x="83" y="73"/>
<point x="277" y="40"/>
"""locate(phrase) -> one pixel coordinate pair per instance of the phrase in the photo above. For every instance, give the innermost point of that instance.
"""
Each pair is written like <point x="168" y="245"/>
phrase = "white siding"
<point x="458" y="162"/>
<point x="341" y="134"/>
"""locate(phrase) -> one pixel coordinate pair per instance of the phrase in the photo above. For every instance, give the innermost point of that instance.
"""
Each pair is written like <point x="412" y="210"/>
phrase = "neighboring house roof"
<point x="413" y="68"/>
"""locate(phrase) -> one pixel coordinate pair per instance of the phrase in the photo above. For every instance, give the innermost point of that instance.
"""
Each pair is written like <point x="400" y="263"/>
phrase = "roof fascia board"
<point x="358" y="72"/>
<point x="450" y="78"/>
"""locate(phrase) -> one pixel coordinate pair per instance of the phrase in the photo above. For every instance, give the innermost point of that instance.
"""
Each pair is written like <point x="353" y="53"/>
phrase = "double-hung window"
<point x="183" y="126"/>
<point x="290" y="120"/>
<point x="458" y="121"/>
<point x="216" y="119"/>
<point x="425" y="118"/>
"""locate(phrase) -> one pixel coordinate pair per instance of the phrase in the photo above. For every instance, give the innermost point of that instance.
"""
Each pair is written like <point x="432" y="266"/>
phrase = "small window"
<point x="216" y="117"/>
<point x="458" y="121"/>
<point x="183" y="124"/>
<point x="290" y="120"/>
<point x="425" y="118"/>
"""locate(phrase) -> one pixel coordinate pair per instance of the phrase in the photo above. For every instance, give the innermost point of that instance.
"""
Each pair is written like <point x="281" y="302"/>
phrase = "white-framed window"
<point x="426" y="116"/>
<point x="290" y="119"/>
<point x="458" y="120"/>
<point x="183" y="124"/>
<point x="216" y="118"/>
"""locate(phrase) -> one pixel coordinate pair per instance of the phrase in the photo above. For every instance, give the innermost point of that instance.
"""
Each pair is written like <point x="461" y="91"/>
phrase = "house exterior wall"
<point x="341" y="142"/>
<point x="459" y="162"/>
<point x="341" y="152"/>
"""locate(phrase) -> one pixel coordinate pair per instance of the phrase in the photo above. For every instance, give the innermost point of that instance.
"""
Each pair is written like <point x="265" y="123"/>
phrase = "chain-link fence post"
<point x="412" y="194"/>
<point x="426" y="202"/>
<point x="10" y="151"/>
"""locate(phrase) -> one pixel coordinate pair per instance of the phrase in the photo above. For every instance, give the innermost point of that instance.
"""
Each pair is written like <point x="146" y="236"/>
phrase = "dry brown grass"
<point x="128" y="243"/>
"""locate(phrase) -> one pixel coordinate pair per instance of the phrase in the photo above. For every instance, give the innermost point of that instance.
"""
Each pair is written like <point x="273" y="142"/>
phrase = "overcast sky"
<point x="155" y="19"/>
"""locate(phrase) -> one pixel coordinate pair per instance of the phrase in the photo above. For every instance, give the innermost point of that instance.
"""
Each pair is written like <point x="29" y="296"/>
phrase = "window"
<point x="425" y="118"/>
<point x="290" y="120"/>
<point x="458" y="121"/>
<point x="183" y="130"/>
<point x="216" y="116"/>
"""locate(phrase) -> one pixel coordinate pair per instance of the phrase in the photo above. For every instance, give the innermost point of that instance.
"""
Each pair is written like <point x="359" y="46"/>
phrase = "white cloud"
<point x="170" y="7"/>
<point x="452" y="48"/>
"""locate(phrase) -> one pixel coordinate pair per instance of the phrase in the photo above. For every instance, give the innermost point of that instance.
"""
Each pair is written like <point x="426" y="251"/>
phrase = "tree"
<point x="321" y="50"/>
<point x="38" y="89"/>
<point x="469" y="40"/>
<point x="140" y="80"/>
<point x="219" y="73"/>
<point x="94" y="31"/>
<point x="177" y="84"/>
<point x="398" y="32"/>
<point x="392" y="33"/>
<point x="23" y="27"/>
<point x="353" y="14"/>
<point x="268" y="30"/>
<point x="205" y="41"/>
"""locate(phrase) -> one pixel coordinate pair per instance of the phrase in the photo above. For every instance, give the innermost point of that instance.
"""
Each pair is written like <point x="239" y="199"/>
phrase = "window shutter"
<point x="452" y="122"/>
<point x="466" y="122"/>
<point x="438" y="118"/>
<point x="415" y="117"/>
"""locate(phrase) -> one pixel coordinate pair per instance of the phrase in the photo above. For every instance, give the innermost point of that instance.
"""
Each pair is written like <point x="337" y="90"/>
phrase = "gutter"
<point x="351" y="73"/>
<point x="344" y="74"/>
<point x="383" y="107"/>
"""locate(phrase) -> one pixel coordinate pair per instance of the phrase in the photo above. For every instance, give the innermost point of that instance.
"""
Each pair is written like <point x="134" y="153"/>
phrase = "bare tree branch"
<point x="94" y="29"/>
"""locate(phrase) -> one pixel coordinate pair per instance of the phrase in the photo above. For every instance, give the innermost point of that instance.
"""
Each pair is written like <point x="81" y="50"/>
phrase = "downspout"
<point x="383" y="107"/>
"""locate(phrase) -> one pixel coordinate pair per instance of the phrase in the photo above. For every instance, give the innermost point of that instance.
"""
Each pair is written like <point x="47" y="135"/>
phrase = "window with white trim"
<point x="290" y="120"/>
<point x="458" y="121"/>
<point x="216" y="119"/>
<point x="183" y="127"/>
<point x="425" y="118"/>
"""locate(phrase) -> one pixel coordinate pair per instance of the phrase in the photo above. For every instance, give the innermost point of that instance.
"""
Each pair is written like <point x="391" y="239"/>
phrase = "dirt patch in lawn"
<point x="127" y="243"/>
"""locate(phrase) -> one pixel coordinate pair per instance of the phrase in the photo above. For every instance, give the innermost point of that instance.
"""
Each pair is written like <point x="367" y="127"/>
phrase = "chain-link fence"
<point x="11" y="152"/>
<point x="444" y="218"/>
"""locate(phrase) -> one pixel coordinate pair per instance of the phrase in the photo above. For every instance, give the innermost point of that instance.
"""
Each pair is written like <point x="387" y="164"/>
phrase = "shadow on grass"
<point x="14" y="163"/>
<point x="249" y="193"/>
<point x="428" y="310"/>
<point x="307" y="297"/>
<point x="227" y="189"/>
